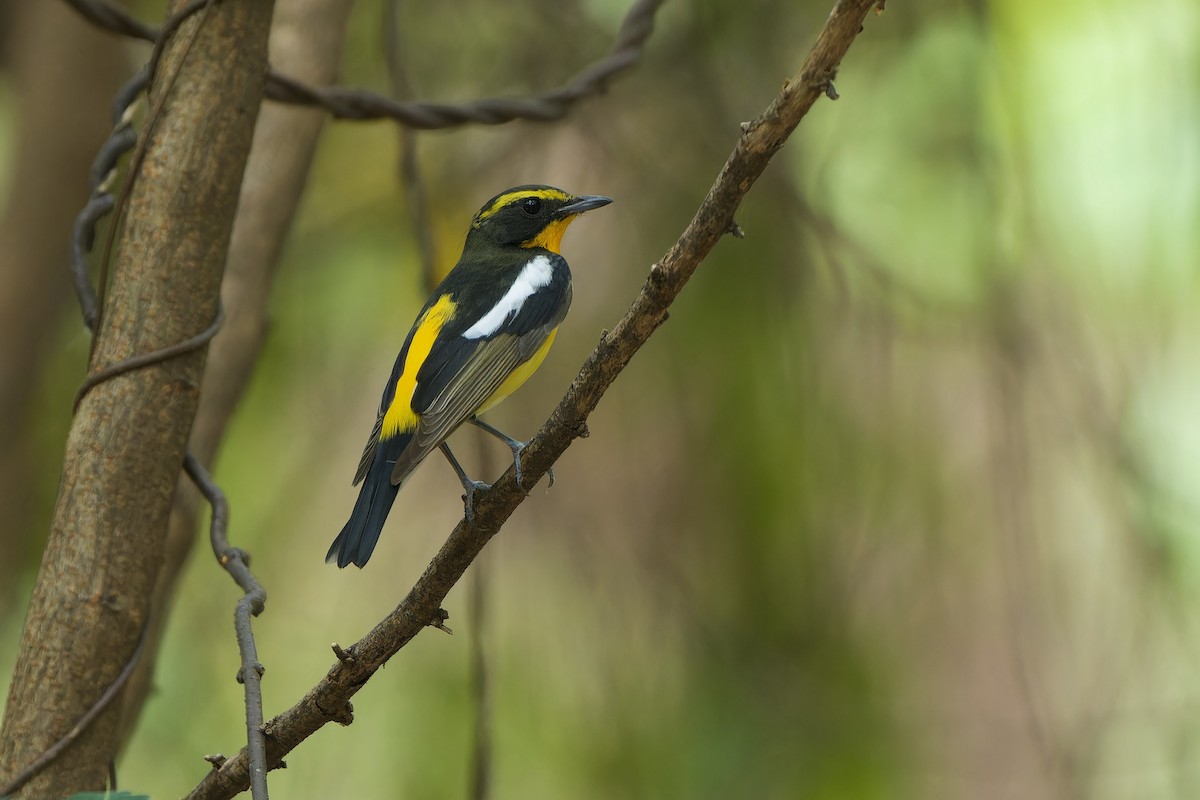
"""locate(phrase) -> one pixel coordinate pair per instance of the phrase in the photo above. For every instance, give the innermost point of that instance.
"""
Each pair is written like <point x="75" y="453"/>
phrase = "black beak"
<point x="581" y="204"/>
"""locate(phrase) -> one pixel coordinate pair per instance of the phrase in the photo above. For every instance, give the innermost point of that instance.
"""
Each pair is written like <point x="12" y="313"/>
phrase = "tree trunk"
<point x="126" y="444"/>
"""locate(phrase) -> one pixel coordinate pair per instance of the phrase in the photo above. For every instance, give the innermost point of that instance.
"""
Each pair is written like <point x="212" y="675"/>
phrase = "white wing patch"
<point x="536" y="274"/>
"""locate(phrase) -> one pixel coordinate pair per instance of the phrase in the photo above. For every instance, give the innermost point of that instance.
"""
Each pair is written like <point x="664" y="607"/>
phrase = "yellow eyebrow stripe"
<point x="400" y="418"/>
<point x="512" y="197"/>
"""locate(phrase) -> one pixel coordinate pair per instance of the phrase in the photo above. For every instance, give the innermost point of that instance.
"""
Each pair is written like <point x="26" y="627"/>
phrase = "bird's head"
<point x="530" y="216"/>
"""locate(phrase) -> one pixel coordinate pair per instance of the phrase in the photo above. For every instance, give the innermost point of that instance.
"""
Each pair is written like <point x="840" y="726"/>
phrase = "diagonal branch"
<point x="760" y="139"/>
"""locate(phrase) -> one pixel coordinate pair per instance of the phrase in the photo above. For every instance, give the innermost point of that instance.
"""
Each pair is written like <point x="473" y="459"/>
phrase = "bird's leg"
<point x="469" y="486"/>
<point x="513" y="444"/>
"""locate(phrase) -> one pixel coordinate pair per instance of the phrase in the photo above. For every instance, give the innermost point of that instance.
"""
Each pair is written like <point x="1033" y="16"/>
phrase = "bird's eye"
<point x="531" y="205"/>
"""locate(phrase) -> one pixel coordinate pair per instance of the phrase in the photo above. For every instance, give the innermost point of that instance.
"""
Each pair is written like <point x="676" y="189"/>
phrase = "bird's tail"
<point x="357" y="539"/>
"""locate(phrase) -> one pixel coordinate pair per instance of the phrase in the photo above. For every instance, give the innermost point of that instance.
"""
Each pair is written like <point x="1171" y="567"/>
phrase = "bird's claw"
<point x="517" y="465"/>
<point x="470" y="488"/>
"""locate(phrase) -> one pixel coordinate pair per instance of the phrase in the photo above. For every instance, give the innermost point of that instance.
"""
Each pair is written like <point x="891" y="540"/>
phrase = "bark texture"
<point x="125" y="449"/>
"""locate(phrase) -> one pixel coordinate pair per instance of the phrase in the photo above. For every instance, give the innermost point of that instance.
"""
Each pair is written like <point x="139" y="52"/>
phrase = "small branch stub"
<point x="343" y="716"/>
<point x="439" y="621"/>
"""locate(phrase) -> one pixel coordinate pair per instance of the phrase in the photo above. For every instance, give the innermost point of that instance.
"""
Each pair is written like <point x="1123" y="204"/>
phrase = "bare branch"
<point x="363" y="105"/>
<point x="237" y="563"/>
<point x="760" y="139"/>
<point x="359" y="104"/>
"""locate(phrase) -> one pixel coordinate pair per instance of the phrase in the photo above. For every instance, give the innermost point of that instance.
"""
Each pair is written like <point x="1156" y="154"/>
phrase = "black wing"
<point x="460" y="373"/>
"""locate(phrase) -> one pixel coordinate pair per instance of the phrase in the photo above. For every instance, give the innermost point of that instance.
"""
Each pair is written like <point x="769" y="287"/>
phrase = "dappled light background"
<point x="901" y="502"/>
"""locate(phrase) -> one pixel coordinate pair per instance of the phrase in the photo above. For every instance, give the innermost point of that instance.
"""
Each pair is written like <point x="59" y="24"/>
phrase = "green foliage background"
<point x="900" y="503"/>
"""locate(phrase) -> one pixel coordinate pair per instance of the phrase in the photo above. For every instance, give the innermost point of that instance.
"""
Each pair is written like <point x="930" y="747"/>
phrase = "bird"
<point x="483" y="331"/>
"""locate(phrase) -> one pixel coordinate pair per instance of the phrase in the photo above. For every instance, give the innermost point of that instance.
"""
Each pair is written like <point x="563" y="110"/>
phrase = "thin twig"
<point x="128" y="93"/>
<point x="237" y="563"/>
<point x="101" y="203"/>
<point x="113" y="18"/>
<point x="153" y="357"/>
<point x="759" y="141"/>
<point x="360" y="104"/>
<point x="82" y="237"/>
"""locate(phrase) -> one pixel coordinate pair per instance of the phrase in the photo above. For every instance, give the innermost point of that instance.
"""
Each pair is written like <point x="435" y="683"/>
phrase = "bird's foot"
<point x="516" y="452"/>
<point x="515" y="445"/>
<point x="470" y="487"/>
